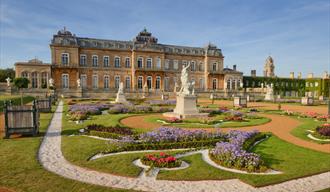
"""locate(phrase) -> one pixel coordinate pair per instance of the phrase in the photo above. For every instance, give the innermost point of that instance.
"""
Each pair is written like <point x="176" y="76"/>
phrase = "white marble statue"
<point x="8" y="81"/>
<point x="269" y="92"/>
<point x="78" y="83"/>
<point x="51" y="82"/>
<point x="121" y="88"/>
<point x="120" y="94"/>
<point x="186" y="86"/>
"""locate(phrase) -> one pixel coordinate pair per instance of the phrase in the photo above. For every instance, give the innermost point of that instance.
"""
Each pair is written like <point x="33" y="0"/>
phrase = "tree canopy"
<point x="4" y="73"/>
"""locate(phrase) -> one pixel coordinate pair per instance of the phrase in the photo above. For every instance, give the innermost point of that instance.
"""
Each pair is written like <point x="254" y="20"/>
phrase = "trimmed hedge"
<point x="249" y="142"/>
<point x="105" y="134"/>
<point x="161" y="146"/>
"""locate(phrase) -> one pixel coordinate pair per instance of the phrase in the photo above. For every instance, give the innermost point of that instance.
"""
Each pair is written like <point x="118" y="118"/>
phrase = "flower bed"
<point x="113" y="132"/>
<point x="161" y="160"/>
<point x="165" y="134"/>
<point x="121" y="108"/>
<point x="161" y="102"/>
<point x="233" y="153"/>
<point x="322" y="132"/>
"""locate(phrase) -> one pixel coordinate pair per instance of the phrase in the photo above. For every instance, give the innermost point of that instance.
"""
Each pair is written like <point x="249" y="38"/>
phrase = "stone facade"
<point x="103" y="64"/>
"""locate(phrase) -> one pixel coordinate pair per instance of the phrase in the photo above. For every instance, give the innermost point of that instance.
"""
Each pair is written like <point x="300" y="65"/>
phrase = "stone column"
<point x="133" y="84"/>
<point x="206" y="71"/>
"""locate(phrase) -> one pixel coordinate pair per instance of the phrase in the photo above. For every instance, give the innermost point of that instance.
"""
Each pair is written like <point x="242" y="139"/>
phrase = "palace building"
<point x="102" y="64"/>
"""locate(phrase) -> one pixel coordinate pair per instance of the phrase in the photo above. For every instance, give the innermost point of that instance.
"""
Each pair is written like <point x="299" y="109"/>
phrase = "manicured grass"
<point x="21" y="171"/>
<point x="307" y="124"/>
<point x="299" y="162"/>
<point x="16" y="100"/>
<point x="193" y="123"/>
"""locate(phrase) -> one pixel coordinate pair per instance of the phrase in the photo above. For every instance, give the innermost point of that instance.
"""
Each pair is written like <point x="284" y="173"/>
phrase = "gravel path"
<point x="51" y="158"/>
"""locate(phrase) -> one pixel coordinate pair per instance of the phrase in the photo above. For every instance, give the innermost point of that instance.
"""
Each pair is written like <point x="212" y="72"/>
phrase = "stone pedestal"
<point x="269" y="97"/>
<point x="185" y="107"/>
<point x="120" y="98"/>
<point x="307" y="101"/>
<point x="79" y="92"/>
<point x="240" y="102"/>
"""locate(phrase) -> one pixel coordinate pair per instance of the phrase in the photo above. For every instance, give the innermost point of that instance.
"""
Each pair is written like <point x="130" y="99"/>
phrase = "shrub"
<point x="78" y="116"/>
<point x="105" y="134"/>
<point x="174" y="120"/>
<point x="323" y="117"/>
<point x="112" y="129"/>
<point x="161" y="160"/>
<point x="324" y="130"/>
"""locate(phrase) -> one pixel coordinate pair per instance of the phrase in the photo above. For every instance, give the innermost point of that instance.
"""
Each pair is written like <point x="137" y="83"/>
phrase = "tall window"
<point x="184" y="63"/>
<point x="201" y="83"/>
<point x="238" y="83"/>
<point x="65" y="58"/>
<point x="127" y="62"/>
<point x="83" y="59"/>
<point x="159" y="63"/>
<point x="94" y="60"/>
<point x="65" y="81"/>
<point x="214" y="84"/>
<point x="128" y="82"/>
<point x="106" y="61"/>
<point x="149" y="63"/>
<point x="201" y="66"/>
<point x="158" y="81"/>
<point x="140" y="82"/>
<point x="167" y="64"/>
<point x="175" y="64"/>
<point x="167" y="83"/>
<point x="83" y="79"/>
<point x="228" y="83"/>
<point x="34" y="78"/>
<point x="193" y="66"/>
<point x="140" y="62"/>
<point x="117" y="82"/>
<point x="233" y="84"/>
<point x="44" y="79"/>
<point x="214" y="66"/>
<point x="117" y="62"/>
<point x="106" y="81"/>
<point x="149" y="82"/>
<point x="95" y="82"/>
<point x="25" y="74"/>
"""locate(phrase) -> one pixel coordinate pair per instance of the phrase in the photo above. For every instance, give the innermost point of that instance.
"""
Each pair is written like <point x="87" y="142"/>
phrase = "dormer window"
<point x="65" y="59"/>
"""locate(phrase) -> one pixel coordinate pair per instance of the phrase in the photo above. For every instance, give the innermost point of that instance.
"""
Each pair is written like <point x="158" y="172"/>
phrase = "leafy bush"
<point x="161" y="160"/>
<point x="78" y="116"/>
<point x="324" y="130"/>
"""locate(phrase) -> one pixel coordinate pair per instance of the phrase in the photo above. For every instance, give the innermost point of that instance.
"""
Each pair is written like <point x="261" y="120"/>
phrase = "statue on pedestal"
<point x="51" y="82"/>
<point x="270" y="93"/>
<point x="187" y="88"/>
<point x="8" y="81"/>
<point x="120" y="94"/>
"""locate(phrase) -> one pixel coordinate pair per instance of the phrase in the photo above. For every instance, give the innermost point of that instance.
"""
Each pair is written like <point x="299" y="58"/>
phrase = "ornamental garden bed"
<point x="161" y="160"/>
<point x="322" y="132"/>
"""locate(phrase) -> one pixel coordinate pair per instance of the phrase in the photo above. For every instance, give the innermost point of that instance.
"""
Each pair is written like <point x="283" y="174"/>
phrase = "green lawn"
<point x="16" y="99"/>
<point x="21" y="171"/>
<point x="193" y="123"/>
<point x="307" y="124"/>
<point x="298" y="163"/>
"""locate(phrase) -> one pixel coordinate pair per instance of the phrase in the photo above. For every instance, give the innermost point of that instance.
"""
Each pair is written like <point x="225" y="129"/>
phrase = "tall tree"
<point x="4" y="73"/>
<point x="21" y="83"/>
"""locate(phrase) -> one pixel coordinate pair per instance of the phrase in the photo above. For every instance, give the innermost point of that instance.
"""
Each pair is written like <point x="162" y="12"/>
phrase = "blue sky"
<point x="295" y="32"/>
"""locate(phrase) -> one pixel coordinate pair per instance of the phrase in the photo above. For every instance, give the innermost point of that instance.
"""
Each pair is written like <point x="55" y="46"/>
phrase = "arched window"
<point x="201" y="83"/>
<point x="25" y="75"/>
<point x="44" y="79"/>
<point x="228" y="83"/>
<point x="201" y="66"/>
<point x="128" y="82"/>
<point x="158" y="63"/>
<point x="94" y="60"/>
<point x="158" y="81"/>
<point x="167" y="83"/>
<point x="117" y="62"/>
<point x="65" y="59"/>
<point x="193" y="66"/>
<point x="106" y="81"/>
<point x="149" y="63"/>
<point x="34" y="80"/>
<point x="117" y="81"/>
<point x="140" y="82"/>
<point x="140" y="62"/>
<point x="214" y="84"/>
<point x="149" y="82"/>
<point x="127" y="62"/>
<point x="95" y="81"/>
<point x="83" y="79"/>
<point x="214" y="66"/>
<point x="65" y="81"/>
<point x="238" y="83"/>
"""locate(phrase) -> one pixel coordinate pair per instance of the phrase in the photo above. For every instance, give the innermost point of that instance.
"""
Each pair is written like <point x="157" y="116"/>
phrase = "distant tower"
<point x="269" y="67"/>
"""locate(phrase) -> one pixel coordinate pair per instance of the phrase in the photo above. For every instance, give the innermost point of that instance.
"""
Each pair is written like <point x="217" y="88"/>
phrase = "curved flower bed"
<point x="233" y="153"/>
<point x="161" y="160"/>
<point x="79" y="112"/>
<point x="322" y="132"/>
<point x="121" y="108"/>
<point x="113" y="132"/>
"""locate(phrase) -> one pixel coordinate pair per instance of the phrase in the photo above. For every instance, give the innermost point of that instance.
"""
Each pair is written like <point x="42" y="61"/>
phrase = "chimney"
<point x="299" y="75"/>
<point x="253" y="73"/>
<point x="292" y="75"/>
<point x="234" y="67"/>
